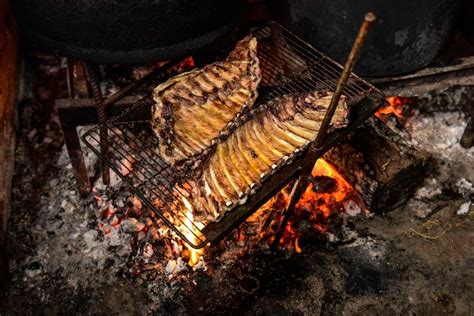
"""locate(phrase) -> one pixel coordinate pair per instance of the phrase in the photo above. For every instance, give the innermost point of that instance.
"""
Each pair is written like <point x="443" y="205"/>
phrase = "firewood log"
<point x="8" y="68"/>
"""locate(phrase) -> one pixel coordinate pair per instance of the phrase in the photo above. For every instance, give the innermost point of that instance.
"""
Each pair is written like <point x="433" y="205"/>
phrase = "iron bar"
<point x="92" y="76"/>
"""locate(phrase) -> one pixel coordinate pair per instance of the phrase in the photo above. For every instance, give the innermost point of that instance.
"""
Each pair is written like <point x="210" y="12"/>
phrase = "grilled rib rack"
<point x="289" y="65"/>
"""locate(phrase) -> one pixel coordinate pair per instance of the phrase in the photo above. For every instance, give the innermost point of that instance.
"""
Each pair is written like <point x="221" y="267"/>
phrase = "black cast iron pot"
<point x="125" y="31"/>
<point x="407" y="35"/>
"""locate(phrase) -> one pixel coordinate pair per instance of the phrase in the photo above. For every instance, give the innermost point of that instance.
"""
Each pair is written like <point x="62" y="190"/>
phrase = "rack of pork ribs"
<point x="210" y="146"/>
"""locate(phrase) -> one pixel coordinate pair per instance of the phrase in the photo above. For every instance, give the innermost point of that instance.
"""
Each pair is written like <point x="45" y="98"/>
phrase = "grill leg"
<point x="79" y="112"/>
<point x="71" y="138"/>
<point x="70" y="78"/>
<point x="91" y="72"/>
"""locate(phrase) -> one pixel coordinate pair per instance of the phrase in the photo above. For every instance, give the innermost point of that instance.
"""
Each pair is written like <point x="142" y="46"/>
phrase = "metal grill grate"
<point x="288" y="65"/>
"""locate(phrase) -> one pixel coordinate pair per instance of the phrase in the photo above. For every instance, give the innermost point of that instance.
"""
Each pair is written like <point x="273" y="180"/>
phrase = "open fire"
<point x="328" y="194"/>
<point x="130" y="247"/>
<point x="398" y="106"/>
<point x="327" y="197"/>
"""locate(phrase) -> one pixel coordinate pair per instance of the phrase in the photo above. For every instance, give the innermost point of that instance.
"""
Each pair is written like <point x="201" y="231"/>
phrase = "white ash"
<point x="439" y="134"/>
<point x="132" y="225"/>
<point x="464" y="208"/>
<point x="465" y="187"/>
<point x="429" y="190"/>
<point x="66" y="243"/>
<point x="436" y="128"/>
<point x="173" y="267"/>
<point x="375" y="249"/>
<point x="352" y="208"/>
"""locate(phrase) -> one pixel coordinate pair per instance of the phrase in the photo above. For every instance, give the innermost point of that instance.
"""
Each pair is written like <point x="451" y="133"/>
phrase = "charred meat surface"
<point x="257" y="148"/>
<point x="193" y="109"/>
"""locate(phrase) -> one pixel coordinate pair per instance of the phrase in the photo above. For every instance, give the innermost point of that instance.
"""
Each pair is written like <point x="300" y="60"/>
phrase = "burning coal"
<point x="328" y="194"/>
<point x="398" y="106"/>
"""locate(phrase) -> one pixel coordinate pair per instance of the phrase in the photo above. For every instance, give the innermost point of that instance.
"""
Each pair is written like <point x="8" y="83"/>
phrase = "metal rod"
<point x="315" y="149"/>
<point x="102" y="105"/>
<point x="70" y="78"/>
<point x="91" y="72"/>
<point x="72" y="116"/>
<point x="76" y="155"/>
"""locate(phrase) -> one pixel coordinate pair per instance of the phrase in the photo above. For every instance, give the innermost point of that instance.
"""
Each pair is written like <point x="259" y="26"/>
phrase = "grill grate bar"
<point x="289" y="65"/>
<point x="310" y="53"/>
<point x="152" y="175"/>
<point x="326" y="67"/>
<point x="355" y="90"/>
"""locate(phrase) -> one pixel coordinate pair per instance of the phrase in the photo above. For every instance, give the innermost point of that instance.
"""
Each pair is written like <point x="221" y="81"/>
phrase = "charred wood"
<point x="456" y="72"/>
<point x="382" y="168"/>
<point x="467" y="139"/>
<point x="397" y="168"/>
<point x="8" y="68"/>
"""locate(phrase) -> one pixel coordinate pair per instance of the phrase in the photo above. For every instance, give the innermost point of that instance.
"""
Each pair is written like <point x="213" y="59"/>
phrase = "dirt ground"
<point x="416" y="260"/>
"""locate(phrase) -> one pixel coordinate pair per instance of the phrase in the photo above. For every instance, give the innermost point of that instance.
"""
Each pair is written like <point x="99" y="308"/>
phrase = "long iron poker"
<point x="316" y="148"/>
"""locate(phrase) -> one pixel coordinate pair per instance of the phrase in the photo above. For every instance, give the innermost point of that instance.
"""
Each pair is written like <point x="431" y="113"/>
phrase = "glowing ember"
<point x="297" y="245"/>
<point x="186" y="64"/>
<point x="189" y="62"/>
<point x="396" y="106"/>
<point x="126" y="166"/>
<point x="325" y="195"/>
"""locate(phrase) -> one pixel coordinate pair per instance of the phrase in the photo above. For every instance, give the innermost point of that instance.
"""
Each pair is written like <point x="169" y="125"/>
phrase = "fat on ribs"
<point x="257" y="148"/>
<point x="194" y="109"/>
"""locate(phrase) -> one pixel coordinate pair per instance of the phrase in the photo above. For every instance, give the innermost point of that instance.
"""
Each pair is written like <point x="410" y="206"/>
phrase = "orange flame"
<point x="185" y="64"/>
<point x="324" y="168"/>
<point x="315" y="208"/>
<point x="194" y="254"/>
<point x="396" y="105"/>
<point x="297" y="245"/>
<point x="316" y="204"/>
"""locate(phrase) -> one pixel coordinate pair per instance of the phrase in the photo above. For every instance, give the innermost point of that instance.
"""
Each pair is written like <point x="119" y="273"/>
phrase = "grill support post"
<point x="80" y="112"/>
<point x="92" y="72"/>
<point x="86" y="111"/>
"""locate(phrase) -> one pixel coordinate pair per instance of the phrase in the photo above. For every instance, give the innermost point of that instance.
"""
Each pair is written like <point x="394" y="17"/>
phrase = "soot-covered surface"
<point x="418" y="259"/>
